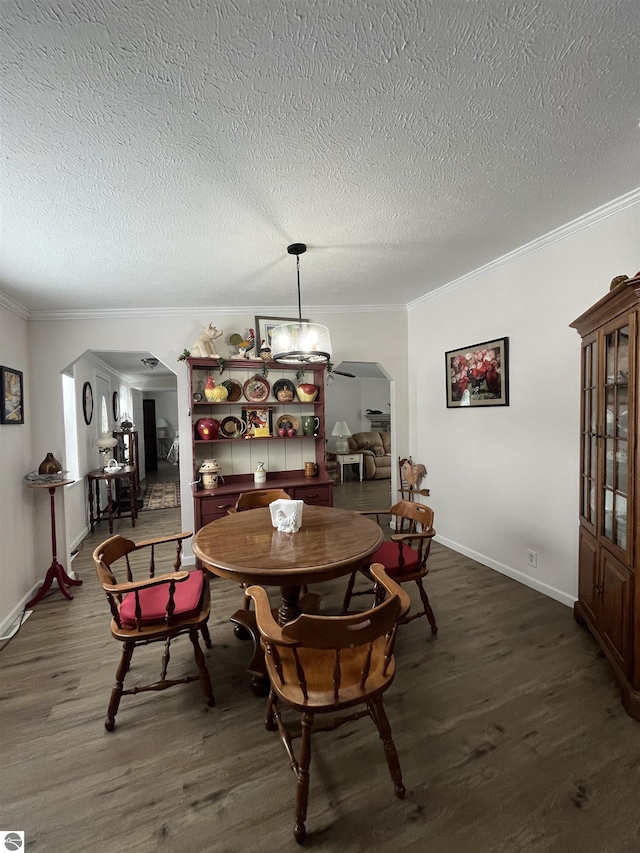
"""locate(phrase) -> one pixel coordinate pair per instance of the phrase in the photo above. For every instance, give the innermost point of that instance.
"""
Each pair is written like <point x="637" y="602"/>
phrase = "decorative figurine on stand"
<point x="204" y="346"/>
<point x="411" y="477"/>
<point x="215" y="393"/>
<point x="245" y="345"/>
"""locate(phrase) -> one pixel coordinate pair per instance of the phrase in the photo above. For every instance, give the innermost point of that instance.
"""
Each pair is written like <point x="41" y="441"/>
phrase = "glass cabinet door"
<point x="589" y="405"/>
<point x="615" y="387"/>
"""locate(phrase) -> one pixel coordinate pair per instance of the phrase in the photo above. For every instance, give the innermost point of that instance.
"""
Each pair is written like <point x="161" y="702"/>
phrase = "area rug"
<point x="161" y="496"/>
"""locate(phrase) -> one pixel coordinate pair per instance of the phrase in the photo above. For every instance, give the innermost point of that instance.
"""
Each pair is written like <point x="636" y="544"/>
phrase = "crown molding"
<point x="205" y="311"/>
<point x="11" y="305"/>
<point x="616" y="206"/>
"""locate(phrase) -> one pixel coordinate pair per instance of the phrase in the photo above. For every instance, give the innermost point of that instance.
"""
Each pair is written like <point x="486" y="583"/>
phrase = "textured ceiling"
<point x="163" y="154"/>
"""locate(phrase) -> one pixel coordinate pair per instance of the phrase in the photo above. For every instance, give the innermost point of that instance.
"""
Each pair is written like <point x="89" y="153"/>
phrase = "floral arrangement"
<point x="478" y="372"/>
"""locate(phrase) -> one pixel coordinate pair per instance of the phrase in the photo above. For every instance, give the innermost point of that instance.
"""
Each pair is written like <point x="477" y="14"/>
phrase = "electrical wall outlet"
<point x="532" y="558"/>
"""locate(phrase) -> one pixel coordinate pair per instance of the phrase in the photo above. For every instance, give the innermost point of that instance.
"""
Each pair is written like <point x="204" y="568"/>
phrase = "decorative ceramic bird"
<point x="214" y="393"/>
<point x="413" y="474"/>
<point x="244" y="345"/>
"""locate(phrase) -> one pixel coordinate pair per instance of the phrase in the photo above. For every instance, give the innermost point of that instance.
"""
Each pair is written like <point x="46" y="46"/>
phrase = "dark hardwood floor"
<point x="508" y="726"/>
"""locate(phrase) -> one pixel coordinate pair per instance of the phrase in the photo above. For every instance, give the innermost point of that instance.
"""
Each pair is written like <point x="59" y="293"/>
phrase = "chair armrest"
<point x="393" y="588"/>
<point x="376" y="512"/>
<point x="400" y="537"/>
<point x="159" y="540"/>
<point x="131" y="586"/>
<point x="267" y="625"/>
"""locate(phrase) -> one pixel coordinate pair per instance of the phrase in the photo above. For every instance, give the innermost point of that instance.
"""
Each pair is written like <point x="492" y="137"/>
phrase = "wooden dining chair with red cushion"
<point x="329" y="665"/>
<point x="152" y="608"/>
<point x="405" y="554"/>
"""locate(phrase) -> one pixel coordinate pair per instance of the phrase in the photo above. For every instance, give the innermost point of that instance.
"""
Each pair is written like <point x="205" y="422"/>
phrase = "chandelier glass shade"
<point x="300" y="342"/>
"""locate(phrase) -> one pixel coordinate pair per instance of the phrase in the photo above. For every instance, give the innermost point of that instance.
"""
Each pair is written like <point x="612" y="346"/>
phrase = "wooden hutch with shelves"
<point x="609" y="547"/>
<point x="284" y="457"/>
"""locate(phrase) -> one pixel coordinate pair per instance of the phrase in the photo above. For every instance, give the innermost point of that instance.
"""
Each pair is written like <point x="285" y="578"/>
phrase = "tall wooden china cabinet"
<point x="261" y="420"/>
<point x="609" y="551"/>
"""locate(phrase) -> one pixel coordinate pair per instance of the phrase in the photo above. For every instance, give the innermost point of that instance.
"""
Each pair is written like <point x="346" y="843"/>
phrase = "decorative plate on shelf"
<point x="234" y="388"/>
<point x="232" y="427"/>
<point x="256" y="389"/>
<point x="284" y="391"/>
<point x="286" y="422"/>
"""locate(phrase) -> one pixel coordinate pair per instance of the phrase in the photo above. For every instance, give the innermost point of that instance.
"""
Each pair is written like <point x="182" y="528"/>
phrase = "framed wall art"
<point x="12" y="411"/>
<point x="87" y="402"/>
<point x="265" y="325"/>
<point x="259" y="422"/>
<point x="478" y="375"/>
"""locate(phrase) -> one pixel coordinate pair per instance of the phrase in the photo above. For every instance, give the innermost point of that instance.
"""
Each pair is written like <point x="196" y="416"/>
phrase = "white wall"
<point x="374" y="395"/>
<point x="504" y="480"/>
<point x="18" y="571"/>
<point x="348" y="399"/>
<point x="342" y="403"/>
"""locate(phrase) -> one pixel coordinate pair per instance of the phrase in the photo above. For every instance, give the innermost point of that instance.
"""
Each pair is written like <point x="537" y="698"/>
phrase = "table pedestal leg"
<point x="55" y="571"/>
<point x="245" y="621"/>
<point x="290" y="607"/>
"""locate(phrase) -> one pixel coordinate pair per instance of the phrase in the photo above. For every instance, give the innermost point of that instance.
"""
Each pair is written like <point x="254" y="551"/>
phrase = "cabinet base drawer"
<point x="319" y="495"/>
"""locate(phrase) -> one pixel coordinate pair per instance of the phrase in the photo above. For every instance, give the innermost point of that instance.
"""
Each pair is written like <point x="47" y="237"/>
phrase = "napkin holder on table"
<point x="286" y="516"/>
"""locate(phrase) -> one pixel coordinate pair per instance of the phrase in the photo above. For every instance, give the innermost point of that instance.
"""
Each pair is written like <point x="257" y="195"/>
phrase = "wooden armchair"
<point x="405" y="555"/>
<point x="325" y="665"/>
<point x="258" y="498"/>
<point x="153" y="609"/>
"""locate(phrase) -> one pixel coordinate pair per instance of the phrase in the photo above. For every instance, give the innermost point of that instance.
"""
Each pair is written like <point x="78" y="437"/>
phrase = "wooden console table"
<point x="126" y="473"/>
<point x="55" y="571"/>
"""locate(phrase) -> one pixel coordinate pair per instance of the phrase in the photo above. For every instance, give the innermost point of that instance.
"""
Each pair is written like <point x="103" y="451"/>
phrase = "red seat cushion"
<point x="387" y="554"/>
<point x="154" y="600"/>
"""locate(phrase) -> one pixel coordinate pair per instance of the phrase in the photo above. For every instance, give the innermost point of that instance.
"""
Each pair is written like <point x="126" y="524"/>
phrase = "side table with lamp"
<point x="342" y="433"/>
<point x="343" y="454"/>
<point x="162" y="436"/>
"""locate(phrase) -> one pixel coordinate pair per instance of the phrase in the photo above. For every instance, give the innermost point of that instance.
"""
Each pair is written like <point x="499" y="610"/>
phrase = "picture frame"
<point x="87" y="402"/>
<point x="259" y="421"/>
<point x="265" y="325"/>
<point x="478" y="375"/>
<point x="115" y="405"/>
<point x="12" y="384"/>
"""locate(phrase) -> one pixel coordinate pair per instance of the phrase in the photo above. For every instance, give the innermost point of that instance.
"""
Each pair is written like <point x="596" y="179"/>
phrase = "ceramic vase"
<point x="49" y="465"/>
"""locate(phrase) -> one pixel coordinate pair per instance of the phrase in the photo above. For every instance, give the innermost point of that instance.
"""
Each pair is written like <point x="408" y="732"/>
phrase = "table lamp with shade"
<point x="162" y="428"/>
<point x="343" y="432"/>
<point x="105" y="445"/>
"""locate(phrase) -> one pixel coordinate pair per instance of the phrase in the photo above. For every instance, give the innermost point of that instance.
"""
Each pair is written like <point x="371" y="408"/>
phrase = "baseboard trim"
<point x="6" y="627"/>
<point x="514" y="574"/>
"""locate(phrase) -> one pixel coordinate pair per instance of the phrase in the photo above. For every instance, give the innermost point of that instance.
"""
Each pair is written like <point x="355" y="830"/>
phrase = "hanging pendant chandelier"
<point x="300" y="342"/>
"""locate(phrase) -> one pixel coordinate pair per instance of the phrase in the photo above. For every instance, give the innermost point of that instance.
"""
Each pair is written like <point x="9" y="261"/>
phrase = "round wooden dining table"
<point x="245" y="547"/>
